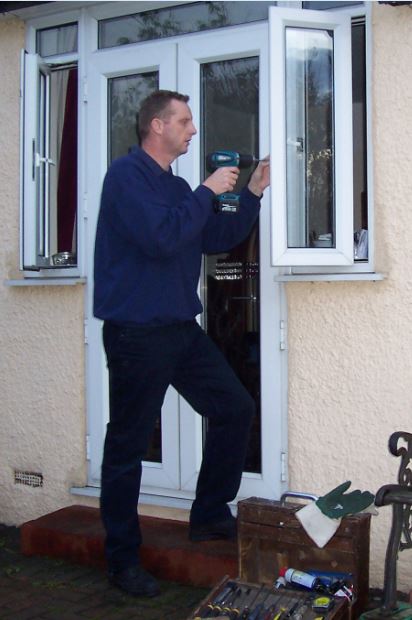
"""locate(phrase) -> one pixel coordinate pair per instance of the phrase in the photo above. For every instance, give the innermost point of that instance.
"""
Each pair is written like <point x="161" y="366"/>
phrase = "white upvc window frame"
<point x="31" y="64"/>
<point x="340" y="24"/>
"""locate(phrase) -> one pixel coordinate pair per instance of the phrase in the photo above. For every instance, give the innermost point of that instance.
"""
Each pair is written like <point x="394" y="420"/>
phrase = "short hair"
<point x="155" y="106"/>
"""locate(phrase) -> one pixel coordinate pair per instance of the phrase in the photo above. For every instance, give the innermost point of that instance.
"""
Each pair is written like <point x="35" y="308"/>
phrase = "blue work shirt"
<point x="151" y="232"/>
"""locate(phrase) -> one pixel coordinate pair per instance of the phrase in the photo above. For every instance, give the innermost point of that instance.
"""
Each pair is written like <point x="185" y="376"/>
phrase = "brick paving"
<point x="39" y="588"/>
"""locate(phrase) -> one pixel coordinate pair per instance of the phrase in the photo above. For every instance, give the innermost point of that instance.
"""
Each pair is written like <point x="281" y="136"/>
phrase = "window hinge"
<point x="88" y="447"/>
<point x="85" y="207"/>
<point x="282" y="335"/>
<point x="283" y="466"/>
<point x="85" y="91"/>
<point x="86" y="331"/>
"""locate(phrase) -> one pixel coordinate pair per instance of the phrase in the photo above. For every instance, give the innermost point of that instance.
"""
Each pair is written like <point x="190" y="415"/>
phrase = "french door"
<point x="226" y="76"/>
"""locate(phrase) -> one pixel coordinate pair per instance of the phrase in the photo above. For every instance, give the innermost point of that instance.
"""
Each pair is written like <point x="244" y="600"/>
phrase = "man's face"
<point x="178" y="128"/>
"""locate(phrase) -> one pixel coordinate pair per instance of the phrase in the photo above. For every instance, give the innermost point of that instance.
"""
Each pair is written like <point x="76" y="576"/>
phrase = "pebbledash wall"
<point x="350" y="343"/>
<point x="42" y="390"/>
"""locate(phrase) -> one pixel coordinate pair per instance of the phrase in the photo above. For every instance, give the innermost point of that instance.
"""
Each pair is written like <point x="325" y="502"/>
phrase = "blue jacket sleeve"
<point x="159" y="223"/>
<point x="224" y="231"/>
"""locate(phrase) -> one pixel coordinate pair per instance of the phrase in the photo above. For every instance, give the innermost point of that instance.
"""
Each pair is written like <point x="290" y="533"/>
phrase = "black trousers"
<point x="142" y="363"/>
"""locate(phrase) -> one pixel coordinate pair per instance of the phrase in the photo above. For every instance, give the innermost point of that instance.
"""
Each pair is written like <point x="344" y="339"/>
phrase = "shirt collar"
<point x="149" y="161"/>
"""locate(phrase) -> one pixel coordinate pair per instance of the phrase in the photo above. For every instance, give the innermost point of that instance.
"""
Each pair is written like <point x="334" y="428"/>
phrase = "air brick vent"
<point x="28" y="478"/>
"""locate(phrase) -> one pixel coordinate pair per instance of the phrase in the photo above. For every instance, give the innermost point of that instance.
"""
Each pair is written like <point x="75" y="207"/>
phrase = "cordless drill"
<point x="228" y="202"/>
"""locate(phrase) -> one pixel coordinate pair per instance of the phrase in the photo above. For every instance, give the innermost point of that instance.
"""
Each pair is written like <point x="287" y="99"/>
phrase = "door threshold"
<point x="151" y="504"/>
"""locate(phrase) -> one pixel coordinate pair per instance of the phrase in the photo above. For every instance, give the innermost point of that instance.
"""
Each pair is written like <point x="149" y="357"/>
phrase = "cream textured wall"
<point x="41" y="361"/>
<point x="350" y="371"/>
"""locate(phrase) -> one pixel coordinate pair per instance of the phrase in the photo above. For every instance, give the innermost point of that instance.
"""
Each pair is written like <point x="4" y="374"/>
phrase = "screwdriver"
<point x="222" y="607"/>
<point x="246" y="610"/>
<point x="220" y="598"/>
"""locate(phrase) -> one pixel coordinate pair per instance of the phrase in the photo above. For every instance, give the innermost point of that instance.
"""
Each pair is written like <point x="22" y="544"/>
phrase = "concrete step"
<point x="76" y="534"/>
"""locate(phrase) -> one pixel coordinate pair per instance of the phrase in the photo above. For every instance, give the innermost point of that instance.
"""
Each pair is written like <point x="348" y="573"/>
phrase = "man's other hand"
<point x="260" y="178"/>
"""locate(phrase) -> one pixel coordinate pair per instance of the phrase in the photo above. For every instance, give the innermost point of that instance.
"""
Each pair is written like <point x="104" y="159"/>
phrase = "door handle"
<point x="246" y="298"/>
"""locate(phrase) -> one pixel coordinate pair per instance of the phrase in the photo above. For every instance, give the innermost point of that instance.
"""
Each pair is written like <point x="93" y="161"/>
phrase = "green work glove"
<point x="337" y="505"/>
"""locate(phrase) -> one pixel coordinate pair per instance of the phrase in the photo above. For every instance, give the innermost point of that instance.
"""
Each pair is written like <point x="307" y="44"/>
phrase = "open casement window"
<point x="311" y="138"/>
<point x="49" y="165"/>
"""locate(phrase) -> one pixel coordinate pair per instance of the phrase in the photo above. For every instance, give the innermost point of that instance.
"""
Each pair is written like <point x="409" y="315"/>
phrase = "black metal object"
<point x="395" y="3"/>
<point x="6" y="7"/>
<point x="400" y="497"/>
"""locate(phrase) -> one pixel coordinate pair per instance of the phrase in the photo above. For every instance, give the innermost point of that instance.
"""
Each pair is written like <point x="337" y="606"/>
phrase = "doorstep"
<point x="76" y="534"/>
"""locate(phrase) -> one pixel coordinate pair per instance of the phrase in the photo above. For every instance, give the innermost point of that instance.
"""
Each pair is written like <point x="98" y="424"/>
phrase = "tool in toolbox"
<point x="334" y="584"/>
<point x="228" y="202"/>
<point x="245" y="601"/>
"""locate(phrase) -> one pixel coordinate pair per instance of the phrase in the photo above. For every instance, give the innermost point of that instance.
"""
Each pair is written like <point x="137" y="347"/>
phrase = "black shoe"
<point x="225" y="529"/>
<point x="135" y="581"/>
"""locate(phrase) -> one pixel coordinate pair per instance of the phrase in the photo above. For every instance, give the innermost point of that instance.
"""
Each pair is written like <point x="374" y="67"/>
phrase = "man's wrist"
<point x="255" y="189"/>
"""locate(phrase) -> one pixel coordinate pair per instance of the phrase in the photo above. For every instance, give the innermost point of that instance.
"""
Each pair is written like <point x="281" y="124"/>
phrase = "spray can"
<point x="302" y="579"/>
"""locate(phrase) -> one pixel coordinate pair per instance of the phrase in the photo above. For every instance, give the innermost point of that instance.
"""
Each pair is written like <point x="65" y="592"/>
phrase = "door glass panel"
<point x="125" y="95"/>
<point x="230" y="113"/>
<point x="310" y="140"/>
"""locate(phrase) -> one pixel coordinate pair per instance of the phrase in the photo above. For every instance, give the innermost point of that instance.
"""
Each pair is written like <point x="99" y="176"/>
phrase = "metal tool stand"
<point x="400" y="538"/>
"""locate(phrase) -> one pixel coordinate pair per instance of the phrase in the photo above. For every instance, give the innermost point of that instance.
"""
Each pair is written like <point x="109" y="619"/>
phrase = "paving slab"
<point x="42" y="588"/>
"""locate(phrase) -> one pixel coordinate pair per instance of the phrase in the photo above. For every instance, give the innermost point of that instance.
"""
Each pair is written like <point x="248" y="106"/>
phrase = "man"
<point x="151" y="233"/>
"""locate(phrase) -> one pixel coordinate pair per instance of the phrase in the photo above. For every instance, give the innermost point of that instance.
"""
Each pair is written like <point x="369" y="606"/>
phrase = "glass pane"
<point x="59" y="234"/>
<point x="324" y="5"/>
<point x="125" y="94"/>
<point x="310" y="140"/>
<point x="59" y="40"/>
<point x="360" y="190"/>
<point x="168" y="22"/>
<point x="230" y="109"/>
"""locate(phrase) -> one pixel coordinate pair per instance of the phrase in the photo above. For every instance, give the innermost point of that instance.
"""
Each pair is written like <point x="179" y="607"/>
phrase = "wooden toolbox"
<point x="235" y="598"/>
<point x="271" y="537"/>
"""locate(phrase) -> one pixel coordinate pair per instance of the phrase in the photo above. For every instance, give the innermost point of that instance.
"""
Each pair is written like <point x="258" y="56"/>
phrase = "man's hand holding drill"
<point x="222" y="180"/>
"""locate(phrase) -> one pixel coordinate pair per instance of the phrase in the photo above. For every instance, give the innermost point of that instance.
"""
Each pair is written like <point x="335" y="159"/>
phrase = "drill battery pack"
<point x="226" y="203"/>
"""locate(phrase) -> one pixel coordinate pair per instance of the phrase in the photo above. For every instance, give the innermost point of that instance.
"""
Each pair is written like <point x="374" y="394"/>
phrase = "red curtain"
<point x="67" y="180"/>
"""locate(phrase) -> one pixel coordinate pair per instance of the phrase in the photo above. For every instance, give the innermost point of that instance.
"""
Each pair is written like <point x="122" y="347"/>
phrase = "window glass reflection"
<point x="310" y="139"/>
<point x="57" y="40"/>
<point x="168" y="22"/>
<point x="126" y="94"/>
<point x="230" y="121"/>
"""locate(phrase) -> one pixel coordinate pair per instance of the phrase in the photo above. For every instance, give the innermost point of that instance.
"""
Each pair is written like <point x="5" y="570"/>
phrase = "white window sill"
<point x="329" y="277"/>
<point x="45" y="281"/>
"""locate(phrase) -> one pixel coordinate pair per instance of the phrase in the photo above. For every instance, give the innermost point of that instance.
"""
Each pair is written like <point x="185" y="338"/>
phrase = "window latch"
<point x="42" y="160"/>
<point x="298" y="143"/>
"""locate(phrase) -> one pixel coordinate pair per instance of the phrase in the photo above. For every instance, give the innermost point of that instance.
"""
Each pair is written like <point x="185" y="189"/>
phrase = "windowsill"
<point x="329" y="277"/>
<point x="45" y="281"/>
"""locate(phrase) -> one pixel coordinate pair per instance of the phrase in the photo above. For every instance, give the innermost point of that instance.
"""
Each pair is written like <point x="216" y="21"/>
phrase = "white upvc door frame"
<point x="242" y="42"/>
<point x="154" y="56"/>
<point x="173" y="481"/>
